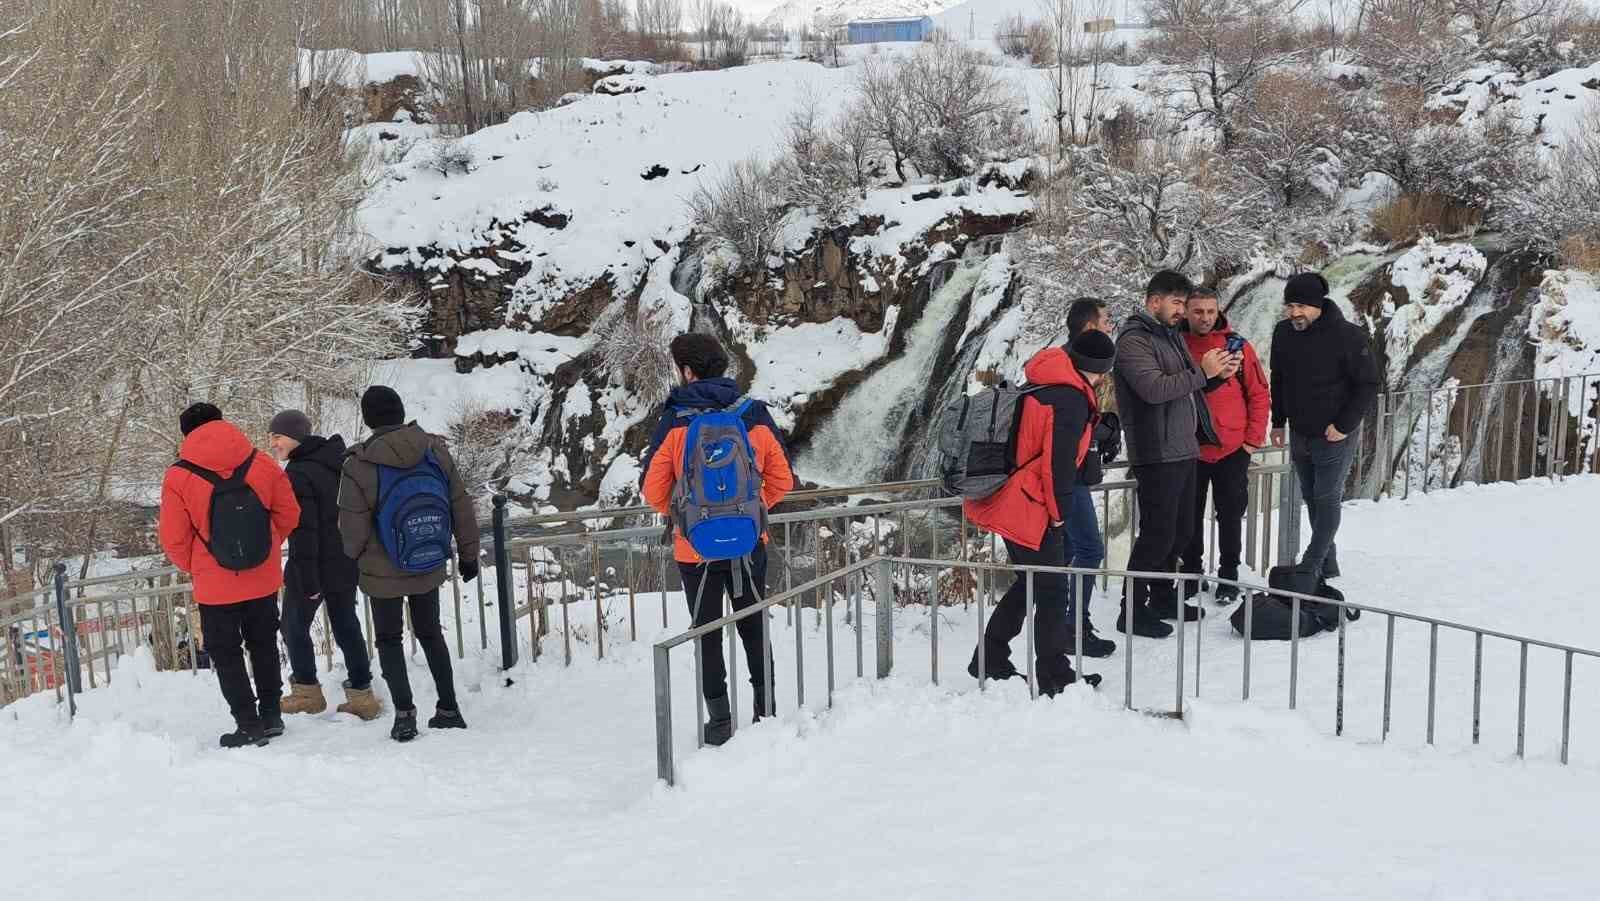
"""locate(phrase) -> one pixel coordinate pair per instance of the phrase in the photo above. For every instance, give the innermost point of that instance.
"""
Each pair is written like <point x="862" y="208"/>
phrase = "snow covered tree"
<point x="1559" y="211"/>
<point x="1284" y="139"/>
<point x="1414" y="44"/>
<point x="1103" y="227"/>
<point x="815" y="170"/>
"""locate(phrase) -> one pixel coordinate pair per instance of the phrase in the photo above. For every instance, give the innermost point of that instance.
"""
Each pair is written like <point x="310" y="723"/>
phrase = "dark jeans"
<point x="1166" y="516"/>
<point x="231" y="628"/>
<point x="388" y="621"/>
<point x="1085" y="549"/>
<point x="1323" y="467"/>
<point x="298" y="615"/>
<point x="1230" y="476"/>
<point x="710" y="583"/>
<point x="1050" y="622"/>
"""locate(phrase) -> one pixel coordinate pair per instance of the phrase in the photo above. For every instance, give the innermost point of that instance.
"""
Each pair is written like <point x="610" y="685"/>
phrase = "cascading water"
<point x="864" y="438"/>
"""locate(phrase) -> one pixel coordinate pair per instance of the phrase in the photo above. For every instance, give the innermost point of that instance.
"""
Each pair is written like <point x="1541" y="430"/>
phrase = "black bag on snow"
<point x="241" y="529"/>
<point x="1272" y="617"/>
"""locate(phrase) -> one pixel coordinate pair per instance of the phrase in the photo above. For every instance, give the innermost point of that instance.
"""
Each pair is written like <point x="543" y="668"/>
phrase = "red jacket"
<point x="1030" y="500"/>
<point x="1241" y="407"/>
<point x="186" y="514"/>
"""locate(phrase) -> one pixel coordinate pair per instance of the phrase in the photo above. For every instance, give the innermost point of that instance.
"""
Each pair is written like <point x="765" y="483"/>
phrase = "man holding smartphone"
<point x="1240" y="406"/>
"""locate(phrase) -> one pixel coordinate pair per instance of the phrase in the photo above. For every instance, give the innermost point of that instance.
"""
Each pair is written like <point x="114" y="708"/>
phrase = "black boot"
<point x="996" y="661"/>
<point x="719" y="723"/>
<point x="1227" y="594"/>
<point x="244" y="735"/>
<point x="1145" y="623"/>
<point x="1171" y="609"/>
<point x="405" y="725"/>
<point x="271" y="723"/>
<point x="1093" y="644"/>
<point x="446" y="719"/>
<point x="1056" y="675"/>
<point x="1191" y="588"/>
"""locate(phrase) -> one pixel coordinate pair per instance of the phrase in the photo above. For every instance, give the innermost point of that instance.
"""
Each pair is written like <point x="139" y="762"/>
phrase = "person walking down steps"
<point x="400" y="500"/>
<point x="705" y="428"/>
<point x="319" y="572"/>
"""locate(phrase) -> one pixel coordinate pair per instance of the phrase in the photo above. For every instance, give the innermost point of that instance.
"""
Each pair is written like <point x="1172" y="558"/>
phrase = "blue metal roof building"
<point x="881" y="31"/>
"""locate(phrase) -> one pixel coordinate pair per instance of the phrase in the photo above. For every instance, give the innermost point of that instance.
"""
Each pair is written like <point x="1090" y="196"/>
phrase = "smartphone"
<point x="1235" y="344"/>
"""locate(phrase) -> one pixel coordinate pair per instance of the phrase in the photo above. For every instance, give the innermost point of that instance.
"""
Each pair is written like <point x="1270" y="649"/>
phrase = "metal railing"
<point x="887" y="579"/>
<point x="573" y="568"/>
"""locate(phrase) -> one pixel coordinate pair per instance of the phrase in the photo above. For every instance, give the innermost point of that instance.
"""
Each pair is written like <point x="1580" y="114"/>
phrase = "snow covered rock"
<point x="1429" y="281"/>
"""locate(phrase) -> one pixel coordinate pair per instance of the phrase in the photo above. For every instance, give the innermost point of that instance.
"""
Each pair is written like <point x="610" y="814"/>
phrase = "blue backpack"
<point x="716" y="504"/>
<point x="413" y="518"/>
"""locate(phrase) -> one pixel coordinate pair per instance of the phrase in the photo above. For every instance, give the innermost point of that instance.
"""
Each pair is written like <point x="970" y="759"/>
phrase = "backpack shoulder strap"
<point x="741" y="406"/>
<point x="198" y="470"/>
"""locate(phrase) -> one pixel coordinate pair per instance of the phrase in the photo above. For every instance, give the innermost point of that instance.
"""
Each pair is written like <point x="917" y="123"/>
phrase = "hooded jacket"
<point x="665" y="456"/>
<point x="1053" y="437"/>
<point x="1323" y="375"/>
<point x="185" y="526"/>
<point x="317" y="562"/>
<point x="1240" y="406"/>
<point x="401" y="447"/>
<point x="1159" y="394"/>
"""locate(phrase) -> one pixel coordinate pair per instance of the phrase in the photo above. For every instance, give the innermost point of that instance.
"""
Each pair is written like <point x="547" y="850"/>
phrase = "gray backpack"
<point x="978" y="439"/>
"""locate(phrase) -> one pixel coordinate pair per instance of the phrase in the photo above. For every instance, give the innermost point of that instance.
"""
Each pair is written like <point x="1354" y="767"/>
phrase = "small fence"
<point x="887" y="580"/>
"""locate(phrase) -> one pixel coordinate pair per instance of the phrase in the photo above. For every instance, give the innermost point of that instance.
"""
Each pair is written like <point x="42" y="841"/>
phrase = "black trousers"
<point x="710" y="582"/>
<point x="389" y="624"/>
<point x="231" y="628"/>
<point x="1229" y="481"/>
<point x="1166" y="517"/>
<point x="1050" y="601"/>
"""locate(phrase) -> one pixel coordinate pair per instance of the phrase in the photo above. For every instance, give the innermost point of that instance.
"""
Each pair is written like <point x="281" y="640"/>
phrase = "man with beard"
<point x="1324" y="380"/>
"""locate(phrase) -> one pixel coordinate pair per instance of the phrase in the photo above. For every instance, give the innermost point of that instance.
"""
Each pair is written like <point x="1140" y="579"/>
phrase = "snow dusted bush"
<point x="818" y="170"/>
<point x="488" y="446"/>
<point x="451" y="158"/>
<point x="1285" y="136"/>
<point x="1559" y="212"/>
<point x="738" y="214"/>
<point x="633" y="352"/>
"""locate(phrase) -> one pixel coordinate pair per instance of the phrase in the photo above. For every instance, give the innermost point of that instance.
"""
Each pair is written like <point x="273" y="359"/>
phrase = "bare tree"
<point x="814" y="171"/>
<point x="738" y="215"/>
<point x="1076" y="91"/>
<point x="1218" y="49"/>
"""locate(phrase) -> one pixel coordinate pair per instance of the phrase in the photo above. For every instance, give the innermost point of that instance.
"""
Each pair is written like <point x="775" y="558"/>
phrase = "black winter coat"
<point x="316" y="555"/>
<point x="1325" y="374"/>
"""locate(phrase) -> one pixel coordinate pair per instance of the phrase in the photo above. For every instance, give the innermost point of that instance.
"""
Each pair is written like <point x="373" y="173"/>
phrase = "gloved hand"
<point x="468" y="569"/>
<point x="1108" y="435"/>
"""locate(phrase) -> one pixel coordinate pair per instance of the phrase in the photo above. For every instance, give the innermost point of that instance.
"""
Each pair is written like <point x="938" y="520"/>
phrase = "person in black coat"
<point x="318" y="571"/>
<point x="1324" y="380"/>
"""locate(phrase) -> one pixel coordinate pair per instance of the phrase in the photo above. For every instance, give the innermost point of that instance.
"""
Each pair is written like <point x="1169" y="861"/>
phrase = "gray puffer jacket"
<point x="1159" y="394"/>
<point x="401" y="447"/>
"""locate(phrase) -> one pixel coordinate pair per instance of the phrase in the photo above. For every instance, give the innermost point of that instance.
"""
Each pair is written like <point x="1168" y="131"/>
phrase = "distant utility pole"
<point x="972" y="25"/>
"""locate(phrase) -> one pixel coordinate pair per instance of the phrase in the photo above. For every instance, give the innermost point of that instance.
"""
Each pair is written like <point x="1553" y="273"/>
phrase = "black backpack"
<point x="241" y="529"/>
<point x="1272" y="618"/>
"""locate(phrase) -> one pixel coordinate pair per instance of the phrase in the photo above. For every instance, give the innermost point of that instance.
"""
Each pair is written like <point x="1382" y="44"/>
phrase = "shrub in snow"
<point x="489" y="446"/>
<point x="942" y="111"/>
<point x="817" y="171"/>
<point x="452" y="158"/>
<point x="633" y="353"/>
<point x="1558" y="208"/>
<point x="738" y="213"/>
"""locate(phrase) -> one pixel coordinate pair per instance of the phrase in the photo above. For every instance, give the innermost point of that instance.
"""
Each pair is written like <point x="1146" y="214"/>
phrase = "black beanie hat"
<point x="1308" y="289"/>
<point x="381" y="406"/>
<point x="197" y="415"/>
<point x="1092" y="351"/>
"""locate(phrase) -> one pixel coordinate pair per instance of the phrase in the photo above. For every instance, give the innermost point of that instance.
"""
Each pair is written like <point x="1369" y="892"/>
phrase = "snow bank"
<point x="1437" y="278"/>
<point x="1565" y="327"/>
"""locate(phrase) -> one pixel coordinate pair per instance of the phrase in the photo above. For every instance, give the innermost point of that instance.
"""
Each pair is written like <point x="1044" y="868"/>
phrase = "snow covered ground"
<point x="902" y="789"/>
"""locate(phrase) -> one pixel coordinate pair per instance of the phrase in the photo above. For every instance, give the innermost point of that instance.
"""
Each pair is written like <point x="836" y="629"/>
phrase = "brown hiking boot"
<point x="361" y="702"/>
<point x="303" y="699"/>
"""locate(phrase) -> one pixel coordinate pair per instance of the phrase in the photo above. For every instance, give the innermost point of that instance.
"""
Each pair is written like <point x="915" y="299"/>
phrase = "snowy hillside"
<point x="553" y="784"/>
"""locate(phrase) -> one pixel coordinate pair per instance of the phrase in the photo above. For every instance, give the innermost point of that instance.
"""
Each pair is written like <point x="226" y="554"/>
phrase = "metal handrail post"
<point x="505" y="594"/>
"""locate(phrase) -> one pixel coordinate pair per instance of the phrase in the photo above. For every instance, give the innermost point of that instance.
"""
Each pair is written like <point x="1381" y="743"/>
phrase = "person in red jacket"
<point x="238" y="608"/>
<point x="1054" y="433"/>
<point x="702" y="365"/>
<point x="1241" y="408"/>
